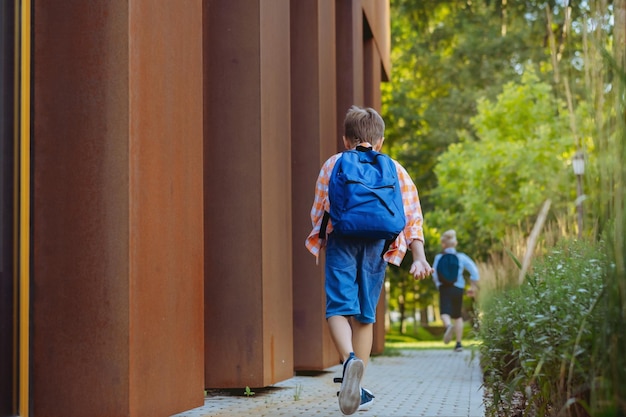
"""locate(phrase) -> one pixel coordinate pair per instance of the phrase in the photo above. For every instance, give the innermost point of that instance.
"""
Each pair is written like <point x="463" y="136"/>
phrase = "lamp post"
<point x="578" y="163"/>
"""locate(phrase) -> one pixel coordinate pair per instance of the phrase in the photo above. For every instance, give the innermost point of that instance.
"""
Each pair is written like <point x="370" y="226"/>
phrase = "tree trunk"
<point x="424" y="316"/>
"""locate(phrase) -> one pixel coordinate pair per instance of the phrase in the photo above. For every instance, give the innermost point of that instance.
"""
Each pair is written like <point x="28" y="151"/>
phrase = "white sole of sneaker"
<point x="350" y="392"/>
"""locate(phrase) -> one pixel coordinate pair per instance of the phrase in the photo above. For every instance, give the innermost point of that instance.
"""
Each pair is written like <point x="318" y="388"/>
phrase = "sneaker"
<point x="350" y="391"/>
<point x="458" y="347"/>
<point x="367" y="399"/>
<point x="447" y="336"/>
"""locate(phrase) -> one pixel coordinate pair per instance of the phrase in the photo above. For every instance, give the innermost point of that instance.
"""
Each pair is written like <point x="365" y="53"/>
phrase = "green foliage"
<point x="487" y="141"/>
<point x="448" y="55"/>
<point x="407" y="295"/>
<point x="538" y="339"/>
<point x="520" y="157"/>
<point x="451" y="60"/>
<point x="413" y="333"/>
<point x="419" y="338"/>
<point x="430" y="76"/>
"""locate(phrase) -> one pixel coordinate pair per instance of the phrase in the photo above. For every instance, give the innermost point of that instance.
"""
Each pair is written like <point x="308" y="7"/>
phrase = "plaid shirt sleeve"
<point x="414" y="219"/>
<point x="320" y="205"/>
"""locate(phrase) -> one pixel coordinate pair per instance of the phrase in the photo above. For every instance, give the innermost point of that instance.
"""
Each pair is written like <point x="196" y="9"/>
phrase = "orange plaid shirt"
<point x="412" y="211"/>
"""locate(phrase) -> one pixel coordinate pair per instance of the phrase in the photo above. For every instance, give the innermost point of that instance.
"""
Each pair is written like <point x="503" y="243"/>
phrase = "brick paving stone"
<point x="428" y="383"/>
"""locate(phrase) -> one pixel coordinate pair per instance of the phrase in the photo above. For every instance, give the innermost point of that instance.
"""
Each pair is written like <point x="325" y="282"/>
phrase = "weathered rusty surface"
<point x="313" y="132"/>
<point x="117" y="222"/>
<point x="176" y="146"/>
<point x="248" y="250"/>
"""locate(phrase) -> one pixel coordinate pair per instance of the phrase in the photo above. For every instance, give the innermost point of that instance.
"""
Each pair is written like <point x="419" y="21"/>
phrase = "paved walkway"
<point x="430" y="383"/>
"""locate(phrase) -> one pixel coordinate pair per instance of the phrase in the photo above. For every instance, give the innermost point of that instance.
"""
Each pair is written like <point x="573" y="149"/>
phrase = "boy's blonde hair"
<point x="363" y="125"/>
<point x="448" y="239"/>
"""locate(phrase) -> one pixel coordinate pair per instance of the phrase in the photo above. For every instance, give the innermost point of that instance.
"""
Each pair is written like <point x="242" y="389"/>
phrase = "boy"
<point x="355" y="269"/>
<point x="451" y="296"/>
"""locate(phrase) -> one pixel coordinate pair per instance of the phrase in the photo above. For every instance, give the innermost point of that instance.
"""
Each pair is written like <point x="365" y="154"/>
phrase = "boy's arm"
<point x="420" y="268"/>
<point x="471" y="267"/>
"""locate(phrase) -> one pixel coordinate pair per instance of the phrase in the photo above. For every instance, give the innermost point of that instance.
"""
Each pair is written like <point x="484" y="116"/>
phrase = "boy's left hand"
<point x="420" y="269"/>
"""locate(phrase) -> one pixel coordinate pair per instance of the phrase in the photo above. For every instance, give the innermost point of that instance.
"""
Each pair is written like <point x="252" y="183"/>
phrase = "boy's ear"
<point x="379" y="145"/>
<point x="346" y="143"/>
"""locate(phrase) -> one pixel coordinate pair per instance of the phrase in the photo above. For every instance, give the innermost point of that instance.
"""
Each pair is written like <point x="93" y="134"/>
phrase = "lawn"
<point x="422" y="339"/>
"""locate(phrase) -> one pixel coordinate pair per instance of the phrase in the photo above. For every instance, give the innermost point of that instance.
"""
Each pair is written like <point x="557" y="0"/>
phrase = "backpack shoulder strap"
<point x="324" y="225"/>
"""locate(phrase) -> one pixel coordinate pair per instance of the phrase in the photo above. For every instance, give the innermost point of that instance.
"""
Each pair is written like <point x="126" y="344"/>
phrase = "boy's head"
<point x="363" y="125"/>
<point x="448" y="239"/>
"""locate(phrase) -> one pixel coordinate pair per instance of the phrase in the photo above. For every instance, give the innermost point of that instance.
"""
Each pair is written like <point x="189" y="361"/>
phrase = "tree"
<point x="451" y="61"/>
<point x="518" y="157"/>
<point x="448" y="56"/>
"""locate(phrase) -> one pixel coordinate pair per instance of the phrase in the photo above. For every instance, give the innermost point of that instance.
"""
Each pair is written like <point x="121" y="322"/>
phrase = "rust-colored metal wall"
<point x="377" y="14"/>
<point x="176" y="147"/>
<point x="349" y="41"/>
<point x="248" y="256"/>
<point x="117" y="222"/>
<point x="166" y="211"/>
<point x="313" y="133"/>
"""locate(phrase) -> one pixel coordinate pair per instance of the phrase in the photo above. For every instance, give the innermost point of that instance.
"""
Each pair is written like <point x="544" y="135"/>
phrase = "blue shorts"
<point x="355" y="273"/>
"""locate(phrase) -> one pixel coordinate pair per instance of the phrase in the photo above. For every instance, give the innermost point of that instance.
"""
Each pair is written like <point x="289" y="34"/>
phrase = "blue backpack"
<point x="365" y="196"/>
<point x="448" y="269"/>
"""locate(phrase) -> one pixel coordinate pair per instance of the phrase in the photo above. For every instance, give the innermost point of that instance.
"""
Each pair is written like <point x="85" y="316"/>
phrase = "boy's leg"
<point x="349" y="395"/>
<point x="362" y="339"/>
<point x="445" y="310"/>
<point x="445" y="318"/>
<point x="448" y="328"/>
<point x="341" y="333"/>
<point x="351" y="336"/>
<point x="458" y="329"/>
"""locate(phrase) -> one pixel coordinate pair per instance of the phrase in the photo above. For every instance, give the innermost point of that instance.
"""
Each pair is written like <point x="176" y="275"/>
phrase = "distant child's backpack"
<point x="448" y="269"/>
<point x="365" y="196"/>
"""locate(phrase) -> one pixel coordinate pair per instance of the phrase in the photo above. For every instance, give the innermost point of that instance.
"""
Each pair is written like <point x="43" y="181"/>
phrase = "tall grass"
<point x="609" y="389"/>
<point x="609" y="394"/>
<point x="501" y="270"/>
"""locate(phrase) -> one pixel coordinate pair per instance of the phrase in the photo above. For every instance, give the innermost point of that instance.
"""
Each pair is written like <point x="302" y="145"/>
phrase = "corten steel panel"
<point x="372" y="75"/>
<point x="276" y="196"/>
<point x="378" y="341"/>
<point x="248" y="290"/>
<point x="117" y="267"/>
<point x="377" y="14"/>
<point x="349" y="40"/>
<point x="313" y="132"/>
<point x="166" y="207"/>
<point x="80" y="286"/>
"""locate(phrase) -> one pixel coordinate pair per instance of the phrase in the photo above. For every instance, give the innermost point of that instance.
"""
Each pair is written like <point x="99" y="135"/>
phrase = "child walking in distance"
<point x="359" y="244"/>
<point x="448" y="276"/>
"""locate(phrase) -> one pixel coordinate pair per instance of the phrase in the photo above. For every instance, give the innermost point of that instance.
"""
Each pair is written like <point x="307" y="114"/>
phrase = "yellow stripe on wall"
<point x="24" y="234"/>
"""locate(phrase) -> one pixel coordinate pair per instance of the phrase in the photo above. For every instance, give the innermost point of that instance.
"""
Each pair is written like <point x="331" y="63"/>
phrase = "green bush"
<point x="538" y="337"/>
